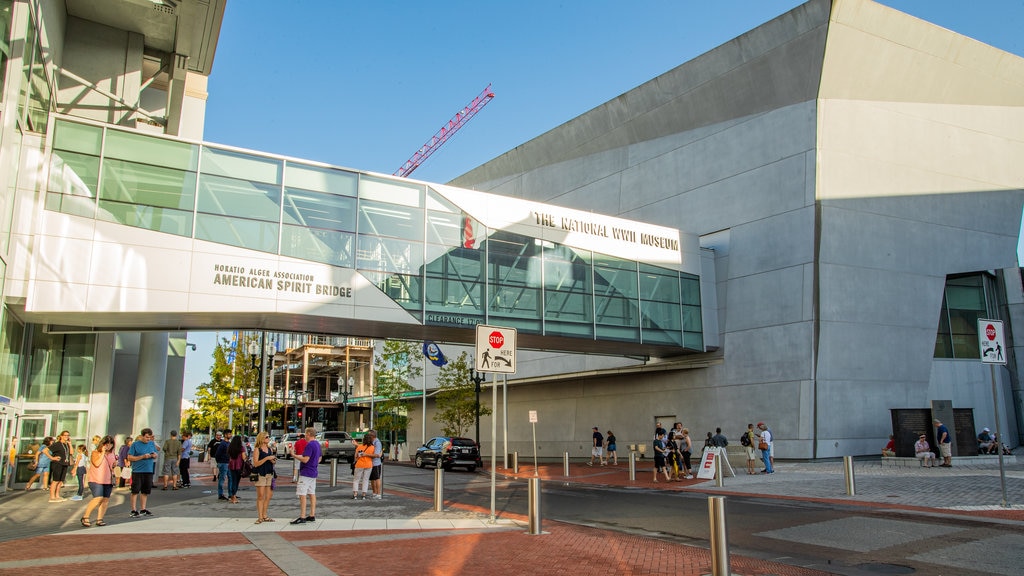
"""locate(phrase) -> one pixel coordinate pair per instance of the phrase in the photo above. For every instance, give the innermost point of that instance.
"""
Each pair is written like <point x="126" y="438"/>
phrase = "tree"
<point x="456" y="397"/>
<point x="397" y="364"/>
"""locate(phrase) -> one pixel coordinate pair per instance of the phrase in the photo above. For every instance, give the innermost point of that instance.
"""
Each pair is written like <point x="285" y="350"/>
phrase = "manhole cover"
<point x="886" y="568"/>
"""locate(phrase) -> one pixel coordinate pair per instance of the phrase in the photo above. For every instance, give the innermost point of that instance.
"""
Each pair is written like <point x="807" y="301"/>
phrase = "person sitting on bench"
<point x="922" y="451"/>
<point x="987" y="443"/>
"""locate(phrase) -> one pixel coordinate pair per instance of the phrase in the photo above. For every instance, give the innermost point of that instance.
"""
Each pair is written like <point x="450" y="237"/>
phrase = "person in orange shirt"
<point x="364" y="465"/>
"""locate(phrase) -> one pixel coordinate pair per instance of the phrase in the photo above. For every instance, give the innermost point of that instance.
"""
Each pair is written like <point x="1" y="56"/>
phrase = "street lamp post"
<point x="263" y="349"/>
<point x="477" y="379"/>
<point x="346" y="389"/>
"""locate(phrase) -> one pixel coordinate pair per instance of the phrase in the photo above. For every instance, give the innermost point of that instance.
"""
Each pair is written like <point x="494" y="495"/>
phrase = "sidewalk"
<point x="193" y="533"/>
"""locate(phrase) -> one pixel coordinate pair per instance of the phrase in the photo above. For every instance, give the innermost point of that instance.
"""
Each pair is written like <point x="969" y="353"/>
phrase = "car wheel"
<point x="419" y="461"/>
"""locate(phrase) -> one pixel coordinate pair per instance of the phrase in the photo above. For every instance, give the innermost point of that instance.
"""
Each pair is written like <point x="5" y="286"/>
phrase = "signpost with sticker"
<point x="992" y="346"/>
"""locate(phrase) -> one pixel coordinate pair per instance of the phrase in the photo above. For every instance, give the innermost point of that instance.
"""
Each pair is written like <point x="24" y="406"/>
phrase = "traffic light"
<point x="300" y="415"/>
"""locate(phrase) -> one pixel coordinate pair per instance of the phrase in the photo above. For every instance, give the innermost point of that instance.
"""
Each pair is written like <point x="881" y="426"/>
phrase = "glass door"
<point x="32" y="429"/>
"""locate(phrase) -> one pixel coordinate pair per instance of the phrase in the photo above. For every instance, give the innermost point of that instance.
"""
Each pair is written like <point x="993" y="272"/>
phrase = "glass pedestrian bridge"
<point x="450" y="258"/>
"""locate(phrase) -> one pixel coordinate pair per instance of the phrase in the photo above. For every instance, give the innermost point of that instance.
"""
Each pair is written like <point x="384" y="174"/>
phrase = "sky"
<point x="364" y="85"/>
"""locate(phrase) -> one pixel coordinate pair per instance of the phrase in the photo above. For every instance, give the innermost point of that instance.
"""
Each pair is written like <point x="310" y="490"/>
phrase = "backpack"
<point x="745" y="439"/>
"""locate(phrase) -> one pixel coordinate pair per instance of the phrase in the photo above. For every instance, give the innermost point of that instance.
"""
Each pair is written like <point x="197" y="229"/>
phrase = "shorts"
<point x="264" y="480"/>
<point x="375" y="473"/>
<point x="170" y="467"/>
<point x="43" y="469"/>
<point x="58" y="472"/>
<point x="142" y="482"/>
<point x="659" y="462"/>
<point x="926" y="455"/>
<point x="596" y="451"/>
<point x="611" y="447"/>
<point x="101" y="490"/>
<point x="306" y="486"/>
<point x="946" y="449"/>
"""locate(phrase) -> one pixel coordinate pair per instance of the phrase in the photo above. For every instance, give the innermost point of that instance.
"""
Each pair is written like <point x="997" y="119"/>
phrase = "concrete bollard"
<point x="632" y="466"/>
<point x="515" y="462"/>
<point x="719" y="537"/>
<point x="439" y="490"/>
<point x="534" y="506"/>
<point x="334" y="472"/>
<point x="295" y="471"/>
<point x="851" y="484"/>
<point x="565" y="464"/>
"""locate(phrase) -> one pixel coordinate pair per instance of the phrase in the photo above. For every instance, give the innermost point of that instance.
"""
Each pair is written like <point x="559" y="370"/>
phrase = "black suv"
<point x="448" y="452"/>
<point x="336" y="445"/>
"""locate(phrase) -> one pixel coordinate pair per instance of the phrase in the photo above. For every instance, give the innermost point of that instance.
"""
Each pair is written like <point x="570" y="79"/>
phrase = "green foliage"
<point x="398" y="363"/>
<point x="456" y="397"/>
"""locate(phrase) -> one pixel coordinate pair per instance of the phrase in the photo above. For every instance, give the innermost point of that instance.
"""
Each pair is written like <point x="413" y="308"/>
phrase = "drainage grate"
<point x="877" y="568"/>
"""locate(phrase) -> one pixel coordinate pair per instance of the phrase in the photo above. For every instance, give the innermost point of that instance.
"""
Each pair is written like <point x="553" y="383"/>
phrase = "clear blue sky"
<point x="365" y="84"/>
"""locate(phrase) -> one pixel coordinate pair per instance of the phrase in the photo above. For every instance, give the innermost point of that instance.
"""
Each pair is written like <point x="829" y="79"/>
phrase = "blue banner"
<point x="434" y="354"/>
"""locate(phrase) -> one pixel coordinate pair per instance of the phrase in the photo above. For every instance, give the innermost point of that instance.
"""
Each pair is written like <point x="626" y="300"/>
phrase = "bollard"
<point x="632" y="466"/>
<point x="515" y="462"/>
<point x="439" y="490"/>
<point x="851" y="487"/>
<point x="295" y="471"/>
<point x="565" y="464"/>
<point x="718" y="468"/>
<point x="334" y="472"/>
<point x="719" y="537"/>
<point x="534" y="505"/>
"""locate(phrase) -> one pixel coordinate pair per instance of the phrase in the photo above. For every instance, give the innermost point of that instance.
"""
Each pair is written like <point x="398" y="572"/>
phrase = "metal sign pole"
<point x="494" y="448"/>
<point x="999" y="434"/>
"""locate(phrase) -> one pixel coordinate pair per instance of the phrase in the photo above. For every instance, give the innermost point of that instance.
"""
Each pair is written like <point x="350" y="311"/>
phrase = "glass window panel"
<point x="568" y="306"/>
<point x="61" y="367"/>
<point x="514" y="301"/>
<point x="965" y="297"/>
<point x="621" y="333"/>
<point x="5" y="43"/>
<point x="320" y="179"/>
<point x="319" y="210"/>
<point x="244" y="198"/>
<point x="11" y="338"/>
<point x="454" y="296"/>
<point x="74" y="174"/>
<point x="327" y="246"/>
<point x="616" y="311"/>
<point x="177" y="222"/>
<point x="446" y="229"/>
<point x="662" y="323"/>
<point x="389" y="255"/>
<point x="148" y="185"/>
<point x="658" y="287"/>
<point x="390" y="220"/>
<point x="513" y="260"/>
<point x="241" y="166"/>
<point x="566" y="270"/>
<point x="614" y="276"/>
<point x="151" y="150"/>
<point x="28" y="50"/>
<point x="457" y="263"/>
<point x="692" y="321"/>
<point x="77" y="137"/>
<point x="391" y="191"/>
<point x="404" y="289"/>
<point x="39" y="103"/>
<point x="575" y="329"/>
<point x="690" y="288"/>
<point x="74" y="205"/>
<point x="693" y="340"/>
<point x="251" y="234"/>
<point x="438" y="203"/>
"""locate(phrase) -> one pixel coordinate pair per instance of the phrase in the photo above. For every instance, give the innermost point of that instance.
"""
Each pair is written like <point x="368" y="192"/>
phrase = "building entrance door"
<point x="32" y="429"/>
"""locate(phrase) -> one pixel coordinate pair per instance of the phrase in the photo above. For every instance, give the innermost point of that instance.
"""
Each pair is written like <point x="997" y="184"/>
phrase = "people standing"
<point x="597" y="447"/>
<point x="142" y="456"/>
<point x="308" y="471"/>
<point x="61" y="456"/>
<point x="12" y="461"/>
<point x="263" y="466"/>
<point x="660" y="452"/>
<point x="363" y="466"/>
<point x="749" y="441"/>
<point x="236" y="459"/>
<point x="122" y="459"/>
<point x="611" y="455"/>
<point x="719" y="440"/>
<point x="945" y="442"/>
<point x="686" y="447"/>
<point x="186" y="460"/>
<point x="42" y="465"/>
<point x="765" y="446"/>
<point x="172" y="459"/>
<point x="221" y="461"/>
<point x="376" y="471"/>
<point x="80" y="462"/>
<point x="100" y="476"/>
<point x="211" y="452"/>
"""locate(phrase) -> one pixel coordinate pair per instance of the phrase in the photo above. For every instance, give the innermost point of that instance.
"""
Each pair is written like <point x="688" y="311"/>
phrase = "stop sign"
<point x="990" y="332"/>
<point x="496" y="339"/>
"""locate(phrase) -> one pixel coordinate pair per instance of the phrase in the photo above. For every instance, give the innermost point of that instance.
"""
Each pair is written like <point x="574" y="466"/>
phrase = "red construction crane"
<point x="446" y="132"/>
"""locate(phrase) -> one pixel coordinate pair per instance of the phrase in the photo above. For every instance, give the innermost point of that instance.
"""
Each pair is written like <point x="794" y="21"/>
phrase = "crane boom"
<point x="446" y="132"/>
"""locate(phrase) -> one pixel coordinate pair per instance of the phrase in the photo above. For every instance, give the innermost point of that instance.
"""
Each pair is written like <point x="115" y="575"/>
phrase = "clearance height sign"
<point x="495" y="349"/>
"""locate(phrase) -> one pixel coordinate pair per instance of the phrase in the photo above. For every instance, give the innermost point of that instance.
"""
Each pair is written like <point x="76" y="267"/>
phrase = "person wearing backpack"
<point x="747" y="440"/>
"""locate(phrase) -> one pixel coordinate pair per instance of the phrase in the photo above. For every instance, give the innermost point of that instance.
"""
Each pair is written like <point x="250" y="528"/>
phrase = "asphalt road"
<point x="842" y="539"/>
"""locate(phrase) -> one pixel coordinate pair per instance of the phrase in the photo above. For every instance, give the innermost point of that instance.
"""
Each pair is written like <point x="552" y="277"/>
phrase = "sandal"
<point x="85" y="522"/>
<point x="268" y="519"/>
<point x="101" y="523"/>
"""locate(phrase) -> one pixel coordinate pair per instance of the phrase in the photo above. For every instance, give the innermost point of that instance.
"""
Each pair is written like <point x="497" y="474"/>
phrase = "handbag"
<point x="762" y="445"/>
<point x="126" y="472"/>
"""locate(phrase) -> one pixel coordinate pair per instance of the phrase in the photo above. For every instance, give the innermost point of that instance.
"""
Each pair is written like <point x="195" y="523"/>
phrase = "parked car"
<point x="284" y="447"/>
<point x="336" y="445"/>
<point x="448" y="452"/>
